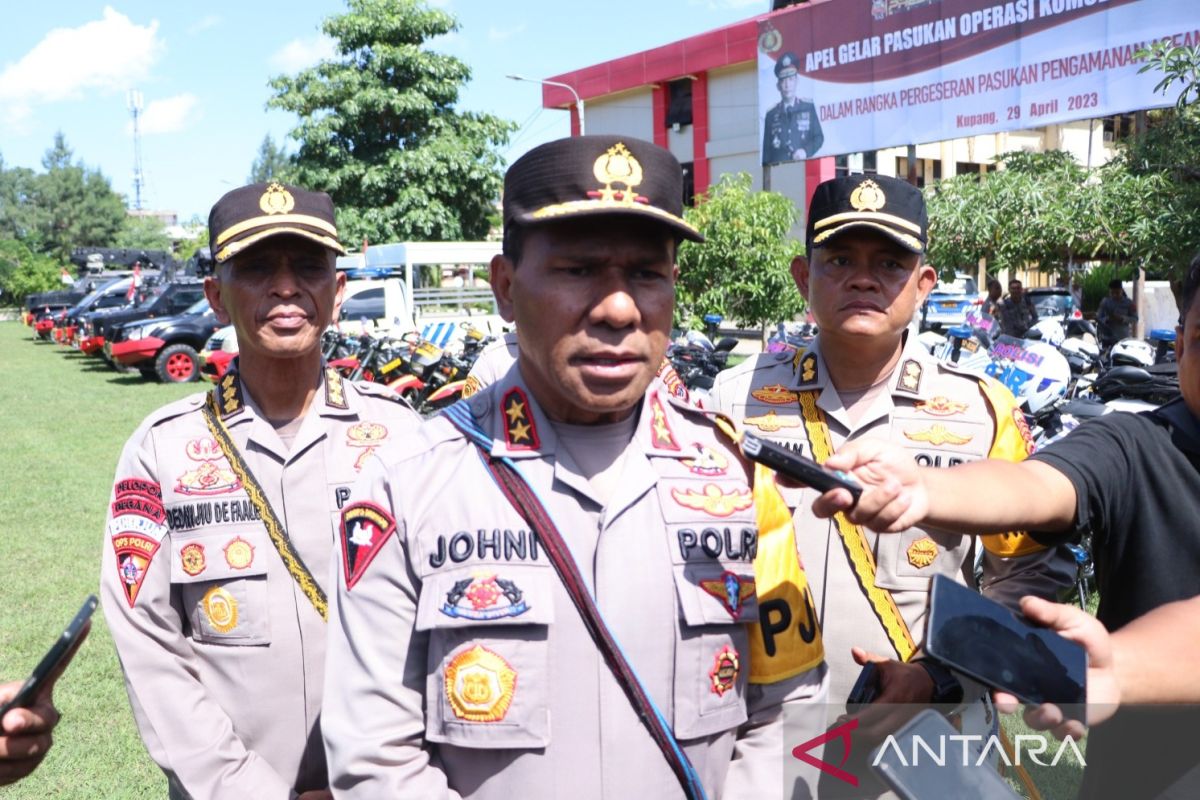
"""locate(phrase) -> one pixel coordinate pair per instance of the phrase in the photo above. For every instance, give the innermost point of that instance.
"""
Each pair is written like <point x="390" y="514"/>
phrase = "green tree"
<point x="16" y="191"/>
<point x="24" y="272"/>
<point x="72" y="206"/>
<point x="143" y="233"/>
<point x="741" y="271"/>
<point x="379" y="131"/>
<point x="271" y="163"/>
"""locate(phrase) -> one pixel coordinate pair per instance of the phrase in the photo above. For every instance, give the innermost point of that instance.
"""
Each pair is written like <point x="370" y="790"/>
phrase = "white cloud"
<point x="500" y="34"/>
<point x="166" y="116"/>
<point x="203" y="24"/>
<point x="107" y="55"/>
<point x="300" y="54"/>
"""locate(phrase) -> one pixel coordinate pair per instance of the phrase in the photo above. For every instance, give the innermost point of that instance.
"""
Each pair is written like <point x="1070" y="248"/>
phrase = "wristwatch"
<point x="946" y="687"/>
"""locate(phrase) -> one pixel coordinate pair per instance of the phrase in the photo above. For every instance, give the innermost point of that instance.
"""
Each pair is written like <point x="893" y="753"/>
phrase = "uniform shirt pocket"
<point x="710" y="656"/>
<point x="222" y="582"/>
<point x="907" y="561"/>
<point x="488" y="659"/>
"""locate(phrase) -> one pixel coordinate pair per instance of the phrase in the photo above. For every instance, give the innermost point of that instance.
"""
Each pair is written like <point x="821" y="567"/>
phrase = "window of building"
<point x="679" y="103"/>
<point x="1119" y="127"/>
<point x="856" y="163"/>
<point x="968" y="168"/>
<point x="689" y="184"/>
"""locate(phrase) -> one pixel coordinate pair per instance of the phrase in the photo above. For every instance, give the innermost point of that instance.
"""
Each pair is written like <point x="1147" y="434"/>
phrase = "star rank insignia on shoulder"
<point x="661" y="435"/>
<point x="228" y="396"/>
<point x="804" y="365"/>
<point x="520" y="432"/>
<point x="335" y="390"/>
<point x="910" y="376"/>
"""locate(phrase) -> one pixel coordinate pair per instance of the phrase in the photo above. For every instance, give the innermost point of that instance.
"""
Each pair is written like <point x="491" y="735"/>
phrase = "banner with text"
<point x="845" y="76"/>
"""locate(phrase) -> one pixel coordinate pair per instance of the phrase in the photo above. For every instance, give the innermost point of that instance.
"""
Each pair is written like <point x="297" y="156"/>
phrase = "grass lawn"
<point x="63" y="420"/>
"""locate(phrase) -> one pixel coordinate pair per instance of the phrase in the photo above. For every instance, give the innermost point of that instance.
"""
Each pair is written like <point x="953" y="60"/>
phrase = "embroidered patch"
<point x="661" y="435"/>
<point x="213" y="476"/>
<point x="670" y="379"/>
<point x="191" y="558"/>
<point x="519" y="430"/>
<point x="220" y="609"/>
<point x="732" y="590"/>
<point x="771" y="422"/>
<point x="480" y="685"/>
<point x="366" y="435"/>
<point x="140" y="505"/>
<point x="922" y="552"/>
<point x="941" y="406"/>
<point x="239" y="553"/>
<point x="335" y="390"/>
<point x="806" y="365"/>
<point x="483" y="594"/>
<point x="471" y="386"/>
<point x="724" y="673"/>
<point x="1026" y="434"/>
<point x="714" y="500"/>
<point x="709" y="462"/>
<point x="134" y="553"/>
<point x="910" y="376"/>
<point x="229" y="396"/>
<point x="138" y="486"/>
<point x="365" y="527"/>
<point x="776" y="394"/>
<point x="937" y="435"/>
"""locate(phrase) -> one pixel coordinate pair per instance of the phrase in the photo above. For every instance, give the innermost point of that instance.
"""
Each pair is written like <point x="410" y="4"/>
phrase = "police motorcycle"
<point x="697" y="360"/>
<point x="432" y="377"/>
<point x="792" y="336"/>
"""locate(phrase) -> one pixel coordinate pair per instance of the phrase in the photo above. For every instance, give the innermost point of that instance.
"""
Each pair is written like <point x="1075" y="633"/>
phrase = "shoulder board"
<point x="178" y="408"/>
<point x="373" y="390"/>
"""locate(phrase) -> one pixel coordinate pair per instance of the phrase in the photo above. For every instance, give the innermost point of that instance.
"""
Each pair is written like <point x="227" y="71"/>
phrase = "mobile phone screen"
<point x="981" y="638"/>
<point x="921" y="762"/>
<point x="54" y="656"/>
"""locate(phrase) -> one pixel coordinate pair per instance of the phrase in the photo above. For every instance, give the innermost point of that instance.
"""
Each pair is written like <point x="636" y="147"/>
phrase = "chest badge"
<point x="922" y="552"/>
<point x="771" y="422"/>
<point x="212" y="475"/>
<point x="367" y="435"/>
<point x="239" y="554"/>
<point x="220" y="609"/>
<point x="483" y="595"/>
<point x="480" y="685"/>
<point x="776" y="395"/>
<point x="941" y="406"/>
<point x="724" y="673"/>
<point x="937" y="435"/>
<point x="709" y="462"/>
<point x="191" y="558"/>
<point x="714" y="500"/>
<point x="732" y="590"/>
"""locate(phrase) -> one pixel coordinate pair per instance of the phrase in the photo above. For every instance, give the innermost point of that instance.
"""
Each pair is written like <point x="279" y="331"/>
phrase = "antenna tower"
<point x="134" y="102"/>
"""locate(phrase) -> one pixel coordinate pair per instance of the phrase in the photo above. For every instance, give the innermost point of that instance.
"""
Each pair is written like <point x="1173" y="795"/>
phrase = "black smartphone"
<point x="981" y="638"/>
<point x="797" y="467"/>
<point x="865" y="690"/>
<point x="61" y="649"/>
<point x="921" y="761"/>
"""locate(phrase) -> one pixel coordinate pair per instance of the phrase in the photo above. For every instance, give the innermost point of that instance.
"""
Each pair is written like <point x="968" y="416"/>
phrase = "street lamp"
<point x="578" y="99"/>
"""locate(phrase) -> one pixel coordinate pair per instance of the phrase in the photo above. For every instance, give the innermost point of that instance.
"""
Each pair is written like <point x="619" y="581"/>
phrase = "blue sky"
<point x="202" y="70"/>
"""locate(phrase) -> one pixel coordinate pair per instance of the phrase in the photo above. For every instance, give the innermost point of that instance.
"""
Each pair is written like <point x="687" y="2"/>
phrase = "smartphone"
<point x="865" y="690"/>
<point x="921" y="762"/>
<point x="979" y="637"/>
<point x="58" y="652"/>
<point x="797" y="467"/>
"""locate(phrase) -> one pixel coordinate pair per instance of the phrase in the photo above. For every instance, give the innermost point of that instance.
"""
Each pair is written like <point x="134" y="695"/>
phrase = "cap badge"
<point x="867" y="196"/>
<point x="618" y="165"/>
<point x="276" y="200"/>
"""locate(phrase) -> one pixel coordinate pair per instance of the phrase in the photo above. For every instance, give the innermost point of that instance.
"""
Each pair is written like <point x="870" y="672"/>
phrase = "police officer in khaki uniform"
<point x="863" y="377"/>
<point x="459" y="662"/>
<point x="214" y="607"/>
<point x="792" y="127"/>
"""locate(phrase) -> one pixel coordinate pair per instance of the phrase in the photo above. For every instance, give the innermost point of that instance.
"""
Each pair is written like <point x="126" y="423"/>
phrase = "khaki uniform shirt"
<point x="223" y="654"/>
<point x="943" y="418"/>
<point x="459" y="666"/>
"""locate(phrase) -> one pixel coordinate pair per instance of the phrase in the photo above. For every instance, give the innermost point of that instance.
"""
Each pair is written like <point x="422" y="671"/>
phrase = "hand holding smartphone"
<point x="55" y="660"/>
<point x="797" y="467"/>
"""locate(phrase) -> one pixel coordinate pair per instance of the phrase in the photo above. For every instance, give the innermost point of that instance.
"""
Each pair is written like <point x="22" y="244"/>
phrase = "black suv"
<point x="162" y="300"/>
<point x="166" y="348"/>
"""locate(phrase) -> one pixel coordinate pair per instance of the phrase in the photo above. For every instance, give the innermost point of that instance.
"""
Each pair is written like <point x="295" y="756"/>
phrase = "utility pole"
<point x="134" y="103"/>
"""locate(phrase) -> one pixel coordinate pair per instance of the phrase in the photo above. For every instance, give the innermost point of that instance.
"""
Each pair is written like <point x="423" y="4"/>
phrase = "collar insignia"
<point x="806" y="365"/>
<point x="519" y="431"/>
<point x="670" y="378"/>
<point x="941" y="406"/>
<point x="661" y="436"/>
<point x="276" y="200"/>
<point x="714" y="500"/>
<point x="937" y="435"/>
<point x="867" y="196"/>
<point x="229" y="395"/>
<point x="724" y="672"/>
<point x="922" y="552"/>
<point x="771" y="422"/>
<point x="709" y="462"/>
<point x="776" y="395"/>
<point x="732" y="590"/>
<point x="335" y="390"/>
<point x="618" y="165"/>
<point x="910" y="376"/>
